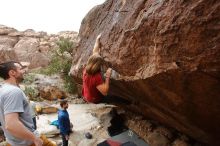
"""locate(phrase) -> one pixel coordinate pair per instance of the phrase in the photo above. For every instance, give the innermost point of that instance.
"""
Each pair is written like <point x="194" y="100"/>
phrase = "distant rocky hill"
<point x="30" y="46"/>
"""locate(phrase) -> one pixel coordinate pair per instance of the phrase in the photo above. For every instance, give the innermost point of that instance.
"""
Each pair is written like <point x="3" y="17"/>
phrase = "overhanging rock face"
<point x="167" y="56"/>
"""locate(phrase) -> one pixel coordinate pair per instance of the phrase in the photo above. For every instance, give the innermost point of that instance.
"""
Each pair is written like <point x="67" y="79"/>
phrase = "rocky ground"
<point x="91" y="118"/>
<point x="96" y="118"/>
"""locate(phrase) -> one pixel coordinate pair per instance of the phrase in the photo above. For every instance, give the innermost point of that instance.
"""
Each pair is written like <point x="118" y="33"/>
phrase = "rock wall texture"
<point x="167" y="56"/>
<point x="29" y="46"/>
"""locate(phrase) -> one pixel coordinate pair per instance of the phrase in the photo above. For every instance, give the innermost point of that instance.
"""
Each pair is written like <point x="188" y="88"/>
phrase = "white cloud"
<point x="45" y="15"/>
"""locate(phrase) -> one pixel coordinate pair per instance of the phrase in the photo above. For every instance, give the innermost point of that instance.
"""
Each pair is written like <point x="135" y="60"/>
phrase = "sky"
<point x="50" y="16"/>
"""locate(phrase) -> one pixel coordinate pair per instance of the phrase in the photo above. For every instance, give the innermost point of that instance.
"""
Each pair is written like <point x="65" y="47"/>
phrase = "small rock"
<point x="88" y="135"/>
<point x="157" y="139"/>
<point x="164" y="131"/>
<point x="179" y="142"/>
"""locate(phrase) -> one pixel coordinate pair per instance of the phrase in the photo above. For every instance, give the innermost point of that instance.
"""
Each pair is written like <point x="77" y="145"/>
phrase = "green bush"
<point x="69" y="84"/>
<point x="61" y="63"/>
<point x="31" y="93"/>
<point x="65" y="45"/>
<point x="28" y="78"/>
<point x="56" y="66"/>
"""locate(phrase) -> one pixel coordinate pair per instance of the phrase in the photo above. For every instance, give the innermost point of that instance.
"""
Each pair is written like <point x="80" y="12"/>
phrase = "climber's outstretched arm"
<point x="97" y="45"/>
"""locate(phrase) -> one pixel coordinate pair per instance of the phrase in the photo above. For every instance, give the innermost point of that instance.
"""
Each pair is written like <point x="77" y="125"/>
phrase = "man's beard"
<point x="20" y="79"/>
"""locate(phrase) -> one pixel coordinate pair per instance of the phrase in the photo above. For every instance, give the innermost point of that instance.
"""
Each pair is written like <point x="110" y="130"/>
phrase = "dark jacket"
<point x="64" y="122"/>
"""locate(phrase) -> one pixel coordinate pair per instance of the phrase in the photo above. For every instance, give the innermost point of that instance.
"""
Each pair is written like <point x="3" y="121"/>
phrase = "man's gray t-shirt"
<point x="13" y="100"/>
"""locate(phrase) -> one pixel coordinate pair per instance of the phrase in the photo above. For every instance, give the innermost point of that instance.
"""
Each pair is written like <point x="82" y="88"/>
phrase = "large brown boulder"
<point x="8" y="40"/>
<point x="7" y="54"/>
<point x="51" y="93"/>
<point x="168" y="56"/>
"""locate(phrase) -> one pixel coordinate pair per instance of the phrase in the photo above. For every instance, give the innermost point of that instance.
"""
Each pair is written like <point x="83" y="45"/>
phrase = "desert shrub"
<point x="61" y="62"/>
<point x="31" y="93"/>
<point x="65" y="45"/>
<point x="29" y="78"/>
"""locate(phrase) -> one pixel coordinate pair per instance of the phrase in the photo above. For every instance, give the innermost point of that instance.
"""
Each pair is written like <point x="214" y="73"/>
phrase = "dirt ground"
<point x="96" y="118"/>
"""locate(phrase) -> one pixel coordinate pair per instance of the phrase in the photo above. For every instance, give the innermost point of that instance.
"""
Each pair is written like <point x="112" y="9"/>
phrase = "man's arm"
<point x="17" y="129"/>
